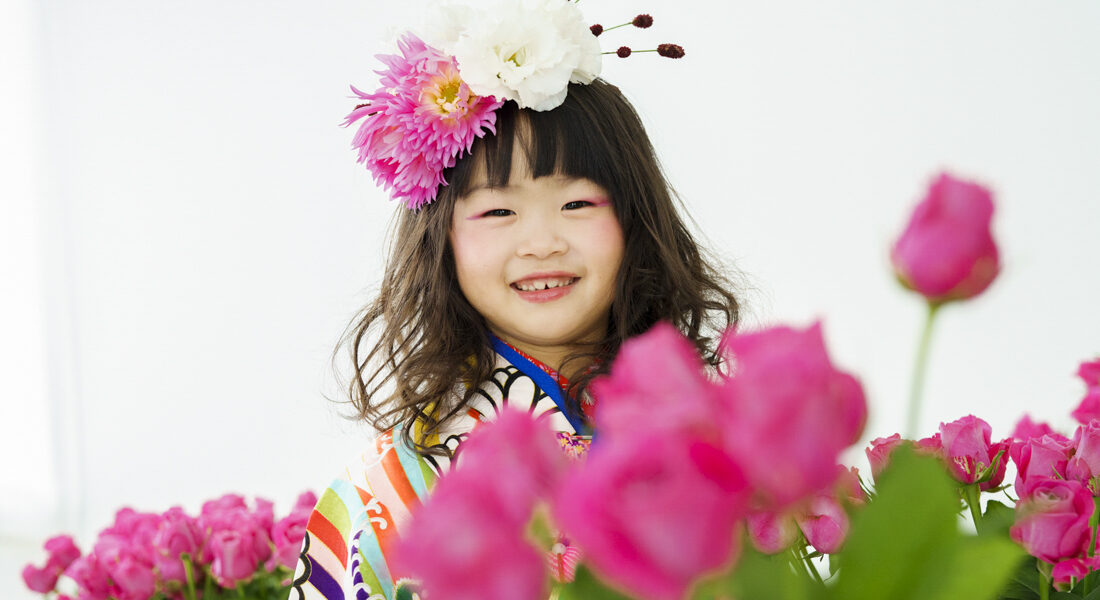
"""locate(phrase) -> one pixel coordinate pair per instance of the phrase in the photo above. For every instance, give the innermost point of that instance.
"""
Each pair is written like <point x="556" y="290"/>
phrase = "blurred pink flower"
<point x="1071" y="569"/>
<point x="91" y="578"/>
<point x="231" y="513"/>
<point x="1027" y="429"/>
<point x="287" y="536"/>
<point x="133" y="577"/>
<point x="878" y="453"/>
<point x="1089" y="372"/>
<point x="848" y="486"/>
<point x="657" y="383"/>
<point x="824" y="523"/>
<point x="476" y="517"/>
<point x="306" y="501"/>
<point x="969" y="452"/>
<point x="61" y="552"/>
<point x="1052" y="521"/>
<point x="457" y="537"/>
<point x="177" y="533"/>
<point x="624" y="512"/>
<point x="790" y="412"/>
<point x="1085" y="464"/>
<point x="771" y="532"/>
<point x="947" y="251"/>
<point x="1089" y="408"/>
<point x="421" y="119"/>
<point x="234" y="556"/>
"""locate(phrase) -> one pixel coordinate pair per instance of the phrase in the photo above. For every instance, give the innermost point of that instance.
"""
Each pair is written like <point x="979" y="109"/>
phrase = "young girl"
<point x="554" y="240"/>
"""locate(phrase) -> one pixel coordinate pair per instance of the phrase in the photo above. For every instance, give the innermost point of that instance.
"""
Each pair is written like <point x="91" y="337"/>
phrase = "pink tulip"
<point x="947" y="251"/>
<point x="969" y="452"/>
<point x="824" y="523"/>
<point x="1052" y="522"/>
<point x="790" y="412"/>
<point x="623" y="510"/>
<point x="878" y="453"/>
<point x="771" y="532"/>
<point x="1038" y="459"/>
<point x="657" y="382"/>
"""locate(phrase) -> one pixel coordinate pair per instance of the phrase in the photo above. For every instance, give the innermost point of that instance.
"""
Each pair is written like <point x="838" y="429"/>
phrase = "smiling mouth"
<point x="546" y="283"/>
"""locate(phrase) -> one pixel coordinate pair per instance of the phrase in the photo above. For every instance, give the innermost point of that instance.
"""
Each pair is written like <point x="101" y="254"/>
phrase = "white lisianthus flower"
<point x="522" y="50"/>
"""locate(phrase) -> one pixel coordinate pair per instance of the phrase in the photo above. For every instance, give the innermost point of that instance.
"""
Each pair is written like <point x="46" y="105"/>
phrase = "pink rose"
<point x="1089" y="372"/>
<point x="521" y="455"/>
<point x="1085" y="464"/>
<point x="133" y="577"/>
<point x="824" y="523"/>
<point x="1072" y="569"/>
<point x="234" y="556"/>
<point x="91" y="578"/>
<point x="631" y="498"/>
<point x="1089" y="408"/>
<point x="1038" y="459"/>
<point x="61" y="553"/>
<point x="657" y="382"/>
<point x="230" y="513"/>
<point x="790" y="412"/>
<point x="849" y="487"/>
<point x="457" y="537"/>
<point x="930" y="446"/>
<point x="878" y="453"/>
<point x="287" y="536"/>
<point x="178" y="533"/>
<point x="947" y="251"/>
<point x="771" y="532"/>
<point x="969" y="452"/>
<point x="1052" y="522"/>
<point x="306" y="501"/>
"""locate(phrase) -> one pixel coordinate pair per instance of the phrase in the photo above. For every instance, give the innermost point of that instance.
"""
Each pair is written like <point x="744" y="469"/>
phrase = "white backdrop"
<point x="186" y="233"/>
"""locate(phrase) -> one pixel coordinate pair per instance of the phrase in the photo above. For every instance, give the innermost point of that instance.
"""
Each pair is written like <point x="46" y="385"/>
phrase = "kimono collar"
<point x="548" y="380"/>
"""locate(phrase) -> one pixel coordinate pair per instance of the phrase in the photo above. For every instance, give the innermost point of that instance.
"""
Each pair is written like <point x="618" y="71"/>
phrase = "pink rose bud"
<point x="287" y="536"/>
<point x="1038" y="459"/>
<point x="178" y="534"/>
<point x="1052" y="522"/>
<point x="849" y="487"/>
<point x="771" y="532"/>
<point x="947" y="251"/>
<point x="824" y="523"/>
<point x="623" y="511"/>
<point x="970" y="454"/>
<point x="878" y="453"/>
<point x="791" y="412"/>
<point x="1085" y="464"/>
<point x="929" y="446"/>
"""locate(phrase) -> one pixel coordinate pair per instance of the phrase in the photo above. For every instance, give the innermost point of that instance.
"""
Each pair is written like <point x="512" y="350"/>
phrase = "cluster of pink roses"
<point x="1057" y="478"/>
<point x="679" y="463"/>
<point x="143" y="554"/>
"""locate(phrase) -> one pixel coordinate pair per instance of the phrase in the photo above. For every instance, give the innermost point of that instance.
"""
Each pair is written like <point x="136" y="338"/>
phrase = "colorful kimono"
<point x="352" y="530"/>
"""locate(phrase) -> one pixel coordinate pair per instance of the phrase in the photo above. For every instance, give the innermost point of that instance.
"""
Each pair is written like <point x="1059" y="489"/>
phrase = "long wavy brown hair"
<point x="419" y="350"/>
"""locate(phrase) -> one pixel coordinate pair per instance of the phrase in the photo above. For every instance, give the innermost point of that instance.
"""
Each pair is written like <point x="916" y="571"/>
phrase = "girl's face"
<point x="538" y="259"/>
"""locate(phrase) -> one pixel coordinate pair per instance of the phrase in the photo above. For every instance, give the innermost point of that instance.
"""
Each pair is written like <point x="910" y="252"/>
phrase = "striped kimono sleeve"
<point x="350" y="536"/>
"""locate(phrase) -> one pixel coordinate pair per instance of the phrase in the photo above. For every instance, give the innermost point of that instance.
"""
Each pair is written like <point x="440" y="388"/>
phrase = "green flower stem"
<point x="240" y="590"/>
<point x="973" y="495"/>
<point x="1094" y="520"/>
<point x="1044" y="586"/>
<point x="918" y="372"/>
<point x="189" y="570"/>
<point x="804" y="559"/>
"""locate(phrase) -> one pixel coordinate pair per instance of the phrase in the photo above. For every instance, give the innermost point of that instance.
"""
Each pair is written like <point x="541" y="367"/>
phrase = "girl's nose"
<point x="541" y="240"/>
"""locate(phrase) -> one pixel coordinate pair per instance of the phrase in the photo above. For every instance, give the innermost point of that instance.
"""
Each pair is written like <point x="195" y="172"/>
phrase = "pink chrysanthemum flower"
<point x="419" y="122"/>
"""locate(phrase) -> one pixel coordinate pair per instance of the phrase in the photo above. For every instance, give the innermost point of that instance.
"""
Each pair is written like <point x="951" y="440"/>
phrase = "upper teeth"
<point x="532" y="285"/>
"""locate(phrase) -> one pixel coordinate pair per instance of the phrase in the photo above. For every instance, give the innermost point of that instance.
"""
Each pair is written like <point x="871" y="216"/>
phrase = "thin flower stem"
<point x="973" y="495"/>
<point x="1044" y="586"/>
<point x="918" y="372"/>
<point x="813" y="570"/>
<point x="189" y="571"/>
<point x="240" y="590"/>
<point x="618" y="26"/>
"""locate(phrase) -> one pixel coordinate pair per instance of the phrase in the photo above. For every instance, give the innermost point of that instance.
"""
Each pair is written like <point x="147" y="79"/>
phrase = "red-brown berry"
<point x="642" y="21"/>
<point x="670" y="50"/>
<point x="596" y="29"/>
<point x="623" y="52"/>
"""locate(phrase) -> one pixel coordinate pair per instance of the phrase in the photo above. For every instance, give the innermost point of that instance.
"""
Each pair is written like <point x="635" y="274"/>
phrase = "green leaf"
<point x="970" y="569"/>
<point x="1063" y="596"/>
<point x="585" y="586"/>
<point x="996" y="521"/>
<point x="895" y="539"/>
<point x="762" y="576"/>
<point x="1094" y="595"/>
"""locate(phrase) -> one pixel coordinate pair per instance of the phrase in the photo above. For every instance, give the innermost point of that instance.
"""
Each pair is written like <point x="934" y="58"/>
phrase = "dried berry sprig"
<point x="640" y="21"/>
<point x="665" y="50"/>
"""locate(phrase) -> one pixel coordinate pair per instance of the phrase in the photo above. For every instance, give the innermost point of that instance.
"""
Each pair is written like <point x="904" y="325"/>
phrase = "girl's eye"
<point x="497" y="212"/>
<point x="574" y="205"/>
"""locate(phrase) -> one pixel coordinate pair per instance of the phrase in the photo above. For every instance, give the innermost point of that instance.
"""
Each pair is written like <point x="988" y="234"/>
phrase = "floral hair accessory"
<point x="441" y="92"/>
